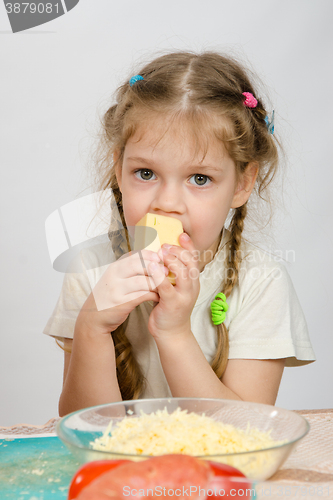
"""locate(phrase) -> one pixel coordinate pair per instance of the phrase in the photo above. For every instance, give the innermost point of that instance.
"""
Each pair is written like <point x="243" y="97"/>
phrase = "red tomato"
<point x="224" y="470"/>
<point x="223" y="483"/>
<point x="88" y="472"/>
<point x="159" y="474"/>
<point x="219" y="485"/>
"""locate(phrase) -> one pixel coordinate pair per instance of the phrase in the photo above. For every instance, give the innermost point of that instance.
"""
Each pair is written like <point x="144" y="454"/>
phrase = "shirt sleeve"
<point x="77" y="286"/>
<point x="270" y="323"/>
<point x="75" y="290"/>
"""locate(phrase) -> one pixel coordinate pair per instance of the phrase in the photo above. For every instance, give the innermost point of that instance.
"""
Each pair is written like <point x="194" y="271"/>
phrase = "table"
<point x="307" y="474"/>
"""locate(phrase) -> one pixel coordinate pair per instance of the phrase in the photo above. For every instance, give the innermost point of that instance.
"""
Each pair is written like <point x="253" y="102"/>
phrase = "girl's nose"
<point x="169" y="198"/>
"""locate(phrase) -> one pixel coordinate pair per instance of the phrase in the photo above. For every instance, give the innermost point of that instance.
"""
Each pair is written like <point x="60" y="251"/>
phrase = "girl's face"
<point x="162" y="173"/>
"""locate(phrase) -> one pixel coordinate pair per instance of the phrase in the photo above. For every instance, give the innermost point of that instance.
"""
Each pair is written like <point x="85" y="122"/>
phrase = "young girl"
<point x="188" y="138"/>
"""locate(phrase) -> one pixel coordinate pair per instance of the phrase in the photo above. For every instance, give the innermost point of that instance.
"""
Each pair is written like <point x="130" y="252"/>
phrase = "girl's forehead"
<point x="161" y="132"/>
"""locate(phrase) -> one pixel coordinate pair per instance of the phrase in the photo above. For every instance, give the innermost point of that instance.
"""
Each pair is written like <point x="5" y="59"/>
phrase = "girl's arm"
<point x="260" y="378"/>
<point x="90" y="376"/>
<point x="89" y="372"/>
<point x="186" y="369"/>
<point x="189" y="374"/>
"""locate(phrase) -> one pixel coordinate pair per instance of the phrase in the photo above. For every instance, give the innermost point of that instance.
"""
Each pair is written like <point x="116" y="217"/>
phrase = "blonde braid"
<point x="130" y="378"/>
<point x="233" y="260"/>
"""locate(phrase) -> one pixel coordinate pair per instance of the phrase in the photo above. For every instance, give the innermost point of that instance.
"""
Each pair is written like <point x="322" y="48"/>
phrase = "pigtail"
<point x="233" y="261"/>
<point x="130" y="378"/>
<point x="219" y="363"/>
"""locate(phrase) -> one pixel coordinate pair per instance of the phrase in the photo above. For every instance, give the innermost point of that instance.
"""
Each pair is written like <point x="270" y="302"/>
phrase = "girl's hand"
<point x="124" y="285"/>
<point x="171" y="316"/>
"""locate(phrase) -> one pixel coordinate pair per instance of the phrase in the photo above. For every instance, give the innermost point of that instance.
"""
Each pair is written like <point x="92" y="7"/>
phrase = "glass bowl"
<point x="79" y="429"/>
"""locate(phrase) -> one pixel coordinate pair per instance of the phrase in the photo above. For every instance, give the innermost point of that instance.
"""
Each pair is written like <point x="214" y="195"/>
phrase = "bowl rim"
<point x="168" y="400"/>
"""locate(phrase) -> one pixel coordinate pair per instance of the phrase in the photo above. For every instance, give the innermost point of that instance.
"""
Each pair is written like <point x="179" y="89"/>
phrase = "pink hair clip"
<point x="250" y="101"/>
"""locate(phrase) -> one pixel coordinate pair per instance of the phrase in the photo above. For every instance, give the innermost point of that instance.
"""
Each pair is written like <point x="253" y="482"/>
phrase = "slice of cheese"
<point x="168" y="231"/>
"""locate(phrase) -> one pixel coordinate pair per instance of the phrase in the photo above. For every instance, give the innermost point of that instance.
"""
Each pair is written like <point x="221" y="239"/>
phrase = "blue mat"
<point x="38" y="468"/>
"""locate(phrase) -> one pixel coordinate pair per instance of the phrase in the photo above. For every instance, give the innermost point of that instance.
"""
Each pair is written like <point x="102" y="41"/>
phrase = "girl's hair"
<point x="206" y="92"/>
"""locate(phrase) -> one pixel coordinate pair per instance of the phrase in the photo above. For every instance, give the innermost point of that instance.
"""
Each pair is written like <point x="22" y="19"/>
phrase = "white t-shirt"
<point x="265" y="319"/>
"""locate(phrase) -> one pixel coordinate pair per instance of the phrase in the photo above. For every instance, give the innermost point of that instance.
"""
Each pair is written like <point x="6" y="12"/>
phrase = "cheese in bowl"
<point x="254" y="438"/>
<point x="162" y="433"/>
<point x="181" y="432"/>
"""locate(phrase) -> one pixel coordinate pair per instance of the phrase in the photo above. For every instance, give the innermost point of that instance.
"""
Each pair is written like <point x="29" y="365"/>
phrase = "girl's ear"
<point x="245" y="185"/>
<point x="117" y="164"/>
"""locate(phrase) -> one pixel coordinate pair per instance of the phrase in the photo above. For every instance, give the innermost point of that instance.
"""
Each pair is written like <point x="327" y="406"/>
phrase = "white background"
<point x="57" y="79"/>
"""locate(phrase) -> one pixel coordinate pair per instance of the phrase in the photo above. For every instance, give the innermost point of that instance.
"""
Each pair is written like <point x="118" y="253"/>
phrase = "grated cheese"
<point x="186" y="433"/>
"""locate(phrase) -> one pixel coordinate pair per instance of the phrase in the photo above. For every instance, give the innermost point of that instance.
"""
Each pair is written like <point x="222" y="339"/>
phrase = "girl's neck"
<point x="208" y="255"/>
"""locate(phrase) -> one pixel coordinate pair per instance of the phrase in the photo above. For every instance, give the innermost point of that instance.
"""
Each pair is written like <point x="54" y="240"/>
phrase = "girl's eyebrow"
<point x="141" y="160"/>
<point x="199" y="166"/>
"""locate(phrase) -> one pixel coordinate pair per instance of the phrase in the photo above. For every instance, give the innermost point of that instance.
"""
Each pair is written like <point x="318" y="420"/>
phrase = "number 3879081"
<point x="31" y="8"/>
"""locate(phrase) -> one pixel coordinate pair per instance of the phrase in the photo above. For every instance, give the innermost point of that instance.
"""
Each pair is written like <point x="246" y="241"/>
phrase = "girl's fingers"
<point x="186" y="243"/>
<point x="125" y="290"/>
<point x="181" y="260"/>
<point x="141" y="283"/>
<point x="135" y="264"/>
<point x="139" y="297"/>
<point x="177" y="268"/>
<point x="132" y="299"/>
<point x="158" y="276"/>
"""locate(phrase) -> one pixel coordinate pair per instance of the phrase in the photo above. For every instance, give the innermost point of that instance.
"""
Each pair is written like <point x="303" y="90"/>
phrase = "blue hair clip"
<point x="135" y="79"/>
<point x="270" y="124"/>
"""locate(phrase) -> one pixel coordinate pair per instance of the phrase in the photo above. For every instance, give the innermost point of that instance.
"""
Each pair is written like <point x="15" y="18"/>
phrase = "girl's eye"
<point x="201" y="180"/>
<point x="144" y="174"/>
